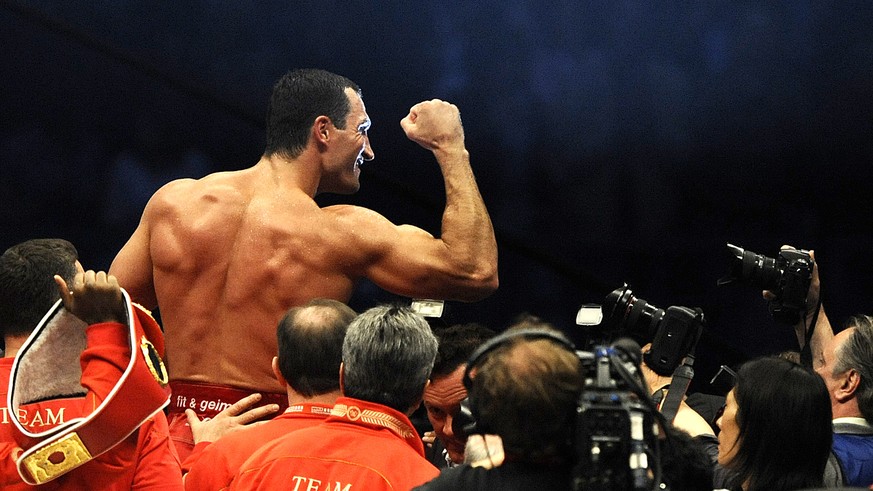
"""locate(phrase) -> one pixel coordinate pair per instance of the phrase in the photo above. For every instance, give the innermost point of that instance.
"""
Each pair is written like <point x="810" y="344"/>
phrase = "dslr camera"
<point x="616" y="442"/>
<point x="674" y="332"/>
<point x="787" y="276"/>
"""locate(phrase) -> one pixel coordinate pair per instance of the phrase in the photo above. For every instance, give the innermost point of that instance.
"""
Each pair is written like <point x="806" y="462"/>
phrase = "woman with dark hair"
<point x="776" y="427"/>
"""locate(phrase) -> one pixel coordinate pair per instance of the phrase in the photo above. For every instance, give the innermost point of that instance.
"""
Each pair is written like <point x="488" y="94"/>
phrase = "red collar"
<point x="309" y="408"/>
<point x="376" y="416"/>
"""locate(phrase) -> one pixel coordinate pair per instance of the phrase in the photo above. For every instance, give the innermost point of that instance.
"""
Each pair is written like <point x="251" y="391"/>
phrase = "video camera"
<point x="787" y="276"/>
<point x="614" y="432"/>
<point x="616" y="442"/>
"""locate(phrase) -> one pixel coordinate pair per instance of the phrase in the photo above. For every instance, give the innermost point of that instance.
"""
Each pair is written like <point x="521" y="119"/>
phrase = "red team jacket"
<point x="212" y="465"/>
<point x="145" y="460"/>
<point x="360" y="446"/>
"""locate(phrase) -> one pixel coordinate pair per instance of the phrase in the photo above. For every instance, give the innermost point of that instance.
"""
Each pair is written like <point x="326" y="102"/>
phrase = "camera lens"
<point x="787" y="277"/>
<point x="643" y="319"/>
<point x="615" y="309"/>
<point x="755" y="269"/>
<point x="626" y="314"/>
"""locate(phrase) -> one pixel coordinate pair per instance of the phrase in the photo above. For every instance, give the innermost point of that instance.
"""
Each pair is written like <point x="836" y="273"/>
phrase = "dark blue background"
<point x="620" y="141"/>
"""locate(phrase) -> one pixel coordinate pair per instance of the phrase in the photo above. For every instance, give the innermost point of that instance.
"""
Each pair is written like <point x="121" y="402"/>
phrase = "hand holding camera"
<point x="787" y="278"/>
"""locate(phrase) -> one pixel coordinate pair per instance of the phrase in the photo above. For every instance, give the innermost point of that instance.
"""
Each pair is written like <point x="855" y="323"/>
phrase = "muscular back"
<point x="225" y="256"/>
<point x="230" y="253"/>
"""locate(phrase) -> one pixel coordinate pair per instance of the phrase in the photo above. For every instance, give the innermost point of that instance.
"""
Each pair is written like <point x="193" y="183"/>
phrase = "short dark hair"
<point x="526" y="391"/>
<point x="388" y="355"/>
<point x="27" y="285"/>
<point x="856" y="353"/>
<point x="298" y="98"/>
<point x="311" y="345"/>
<point x="784" y="419"/>
<point x="456" y="344"/>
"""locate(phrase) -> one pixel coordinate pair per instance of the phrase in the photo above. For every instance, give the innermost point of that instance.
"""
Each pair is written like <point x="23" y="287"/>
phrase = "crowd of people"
<point x="272" y="382"/>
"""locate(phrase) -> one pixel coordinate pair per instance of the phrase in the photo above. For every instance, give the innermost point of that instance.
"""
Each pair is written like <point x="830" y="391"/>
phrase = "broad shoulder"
<point x="217" y="182"/>
<point x="372" y="223"/>
<point x="175" y="188"/>
<point x="221" y="186"/>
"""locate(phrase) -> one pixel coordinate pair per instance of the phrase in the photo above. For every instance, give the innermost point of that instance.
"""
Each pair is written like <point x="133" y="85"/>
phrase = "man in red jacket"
<point x="33" y="275"/>
<point x="367" y="442"/>
<point x="310" y="352"/>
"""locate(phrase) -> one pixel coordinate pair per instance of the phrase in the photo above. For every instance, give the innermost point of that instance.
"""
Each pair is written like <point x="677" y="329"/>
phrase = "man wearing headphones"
<point x="523" y="386"/>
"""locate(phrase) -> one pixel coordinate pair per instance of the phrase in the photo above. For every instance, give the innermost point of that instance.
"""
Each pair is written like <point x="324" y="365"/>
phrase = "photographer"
<point x="845" y="362"/>
<point x="692" y="420"/>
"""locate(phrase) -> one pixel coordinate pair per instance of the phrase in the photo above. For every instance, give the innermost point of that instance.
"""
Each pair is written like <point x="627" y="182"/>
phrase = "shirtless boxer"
<point x="226" y="255"/>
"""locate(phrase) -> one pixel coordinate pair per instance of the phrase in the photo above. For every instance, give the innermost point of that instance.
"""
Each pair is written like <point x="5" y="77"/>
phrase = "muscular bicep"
<point x="407" y="260"/>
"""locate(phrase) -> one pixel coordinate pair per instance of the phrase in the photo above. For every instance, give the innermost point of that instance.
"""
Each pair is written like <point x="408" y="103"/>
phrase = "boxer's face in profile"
<point x="350" y="148"/>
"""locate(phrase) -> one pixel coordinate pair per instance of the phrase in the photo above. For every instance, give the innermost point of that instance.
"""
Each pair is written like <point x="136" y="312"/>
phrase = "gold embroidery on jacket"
<point x="354" y="413"/>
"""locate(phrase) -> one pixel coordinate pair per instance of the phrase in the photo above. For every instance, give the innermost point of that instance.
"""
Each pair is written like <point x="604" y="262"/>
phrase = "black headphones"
<point x="467" y="422"/>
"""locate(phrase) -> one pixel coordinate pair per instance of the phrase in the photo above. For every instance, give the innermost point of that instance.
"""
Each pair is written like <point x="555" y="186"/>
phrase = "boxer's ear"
<point x="321" y="129"/>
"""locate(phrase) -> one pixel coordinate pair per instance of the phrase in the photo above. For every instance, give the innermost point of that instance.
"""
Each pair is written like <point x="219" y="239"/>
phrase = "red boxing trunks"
<point x="207" y="400"/>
